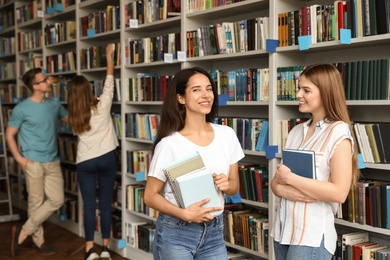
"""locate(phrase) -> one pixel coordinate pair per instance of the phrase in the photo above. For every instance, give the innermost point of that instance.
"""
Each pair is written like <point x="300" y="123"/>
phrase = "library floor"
<point x="67" y="244"/>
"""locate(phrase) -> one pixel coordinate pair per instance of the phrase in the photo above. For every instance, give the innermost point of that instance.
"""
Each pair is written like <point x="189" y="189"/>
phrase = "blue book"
<point x="301" y="162"/>
<point x="196" y="186"/>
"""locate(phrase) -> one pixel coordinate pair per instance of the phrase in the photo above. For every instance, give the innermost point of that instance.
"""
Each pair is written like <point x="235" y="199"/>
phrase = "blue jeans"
<point x="293" y="252"/>
<point x="103" y="171"/>
<point x="179" y="239"/>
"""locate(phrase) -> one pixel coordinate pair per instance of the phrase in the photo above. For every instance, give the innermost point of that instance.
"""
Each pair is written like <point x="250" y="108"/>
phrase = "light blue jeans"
<point x="179" y="239"/>
<point x="294" y="252"/>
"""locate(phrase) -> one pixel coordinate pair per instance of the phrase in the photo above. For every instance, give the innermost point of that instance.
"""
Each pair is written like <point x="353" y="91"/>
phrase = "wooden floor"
<point x="67" y="244"/>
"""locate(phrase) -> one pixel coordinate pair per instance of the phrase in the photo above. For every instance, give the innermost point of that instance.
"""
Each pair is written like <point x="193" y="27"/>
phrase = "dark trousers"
<point x="97" y="175"/>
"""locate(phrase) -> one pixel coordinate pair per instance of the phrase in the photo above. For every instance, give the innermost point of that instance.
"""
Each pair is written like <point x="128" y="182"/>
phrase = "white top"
<point x="222" y="152"/>
<point x="101" y="139"/>
<point x="299" y="223"/>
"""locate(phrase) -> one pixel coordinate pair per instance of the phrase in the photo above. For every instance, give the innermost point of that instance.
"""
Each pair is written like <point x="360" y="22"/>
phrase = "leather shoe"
<point x="15" y="240"/>
<point x="44" y="249"/>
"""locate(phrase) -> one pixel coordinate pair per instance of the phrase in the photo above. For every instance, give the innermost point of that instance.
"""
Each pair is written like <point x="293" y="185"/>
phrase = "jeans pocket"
<point x="170" y="222"/>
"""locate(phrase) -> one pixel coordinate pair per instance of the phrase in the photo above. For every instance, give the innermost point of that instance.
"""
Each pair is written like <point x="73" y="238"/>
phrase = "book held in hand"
<point x="196" y="186"/>
<point x="301" y="162"/>
<point x="195" y="182"/>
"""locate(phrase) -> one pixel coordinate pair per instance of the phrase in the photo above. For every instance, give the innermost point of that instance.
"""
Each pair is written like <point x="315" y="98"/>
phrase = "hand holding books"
<point x="192" y="183"/>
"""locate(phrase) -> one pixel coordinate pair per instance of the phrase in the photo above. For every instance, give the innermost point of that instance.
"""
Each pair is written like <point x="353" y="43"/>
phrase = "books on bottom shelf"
<point x="301" y="162"/>
<point x="192" y="182"/>
<point x="140" y="234"/>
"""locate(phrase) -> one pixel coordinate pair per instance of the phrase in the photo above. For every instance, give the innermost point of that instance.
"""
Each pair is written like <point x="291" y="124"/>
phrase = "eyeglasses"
<point x="44" y="80"/>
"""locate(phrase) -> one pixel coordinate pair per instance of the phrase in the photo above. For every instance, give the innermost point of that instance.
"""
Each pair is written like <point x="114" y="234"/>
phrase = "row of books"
<point x="60" y="32"/>
<point x="252" y="133"/>
<point x="8" y="70"/>
<point x="373" y="141"/>
<point x="283" y="128"/>
<point x="148" y="87"/>
<point x="228" y="37"/>
<point x="28" y="11"/>
<point x="363" y="80"/>
<point x="61" y="62"/>
<point x="151" y="49"/>
<point x="359" y="245"/>
<point x="28" y="40"/>
<point x="368" y="204"/>
<point x="7" y="19"/>
<point x="70" y="180"/>
<point x="67" y="147"/>
<point x="135" y="200"/>
<point x="150" y="11"/>
<point x="63" y="3"/>
<point x="200" y="5"/>
<point x="9" y="93"/>
<point x="100" y="21"/>
<point x="247" y="84"/>
<point x="7" y="46"/>
<point x="95" y="57"/>
<point x="140" y="234"/>
<point x="138" y="161"/>
<point x="141" y="126"/>
<point x="253" y="182"/>
<point x="323" y="22"/>
<point x="246" y="227"/>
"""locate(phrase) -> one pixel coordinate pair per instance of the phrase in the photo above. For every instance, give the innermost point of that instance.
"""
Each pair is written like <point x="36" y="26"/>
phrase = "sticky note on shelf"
<point x="361" y="164"/>
<point x="271" y="45"/>
<point x="91" y="33"/>
<point x="271" y="151"/>
<point x="223" y="99"/>
<point x="304" y="42"/>
<point x="140" y="176"/>
<point x="345" y="36"/>
<point x="236" y="198"/>
<point x="121" y="243"/>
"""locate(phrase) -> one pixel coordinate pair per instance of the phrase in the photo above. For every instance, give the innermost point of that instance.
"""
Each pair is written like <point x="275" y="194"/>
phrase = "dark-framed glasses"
<point x="44" y="80"/>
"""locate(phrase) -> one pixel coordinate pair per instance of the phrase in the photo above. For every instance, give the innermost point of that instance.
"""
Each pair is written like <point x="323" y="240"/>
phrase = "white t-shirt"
<point x="223" y="151"/>
<point x="299" y="223"/>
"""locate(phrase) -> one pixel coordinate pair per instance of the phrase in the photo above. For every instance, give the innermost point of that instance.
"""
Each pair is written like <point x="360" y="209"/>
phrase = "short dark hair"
<point x="29" y="77"/>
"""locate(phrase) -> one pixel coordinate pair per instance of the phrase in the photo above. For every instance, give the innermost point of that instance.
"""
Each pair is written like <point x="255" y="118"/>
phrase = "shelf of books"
<point x="356" y="45"/>
<point x="255" y="78"/>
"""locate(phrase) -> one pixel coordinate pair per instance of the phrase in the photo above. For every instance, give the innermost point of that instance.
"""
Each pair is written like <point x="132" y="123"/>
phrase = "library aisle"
<point x="67" y="244"/>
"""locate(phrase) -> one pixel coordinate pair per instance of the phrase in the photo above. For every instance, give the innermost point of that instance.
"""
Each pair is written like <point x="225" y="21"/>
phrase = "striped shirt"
<point x="299" y="223"/>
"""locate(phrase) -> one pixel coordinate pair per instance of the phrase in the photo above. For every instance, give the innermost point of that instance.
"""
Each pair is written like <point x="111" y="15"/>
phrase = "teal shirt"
<point x="37" y="125"/>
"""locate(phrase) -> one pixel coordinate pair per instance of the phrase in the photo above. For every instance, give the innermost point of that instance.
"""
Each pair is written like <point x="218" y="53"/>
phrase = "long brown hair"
<point x="80" y="103"/>
<point x="173" y="114"/>
<point x="328" y="79"/>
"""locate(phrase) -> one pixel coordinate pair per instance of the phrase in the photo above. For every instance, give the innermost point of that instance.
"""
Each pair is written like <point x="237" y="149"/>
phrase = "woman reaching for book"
<point x="186" y="126"/>
<point x="304" y="227"/>
<point x="90" y="118"/>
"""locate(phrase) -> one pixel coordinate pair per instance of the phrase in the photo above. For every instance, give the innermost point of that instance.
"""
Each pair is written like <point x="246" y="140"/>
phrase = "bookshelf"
<point x="130" y="72"/>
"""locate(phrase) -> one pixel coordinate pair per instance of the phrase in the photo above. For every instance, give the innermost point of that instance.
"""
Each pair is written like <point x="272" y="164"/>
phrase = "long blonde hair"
<point x="328" y="79"/>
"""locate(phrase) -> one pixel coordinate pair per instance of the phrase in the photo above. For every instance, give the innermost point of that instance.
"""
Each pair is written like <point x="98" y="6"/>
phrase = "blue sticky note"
<point x="62" y="218"/>
<point x="223" y="99"/>
<point x="236" y="198"/>
<point x="271" y="151"/>
<point x="121" y="243"/>
<point x="304" y="42"/>
<point x="50" y="10"/>
<point x="58" y="7"/>
<point x="361" y="164"/>
<point x="44" y="71"/>
<point x="1" y="28"/>
<point x="140" y="176"/>
<point x="345" y="36"/>
<point x="91" y="33"/>
<point x="271" y="45"/>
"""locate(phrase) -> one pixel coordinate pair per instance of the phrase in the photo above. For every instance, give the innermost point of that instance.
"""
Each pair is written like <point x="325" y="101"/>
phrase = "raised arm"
<point x="110" y="58"/>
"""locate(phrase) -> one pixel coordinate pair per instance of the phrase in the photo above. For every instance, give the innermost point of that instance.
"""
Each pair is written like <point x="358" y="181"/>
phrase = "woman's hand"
<point x="197" y="214"/>
<point x="221" y="181"/>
